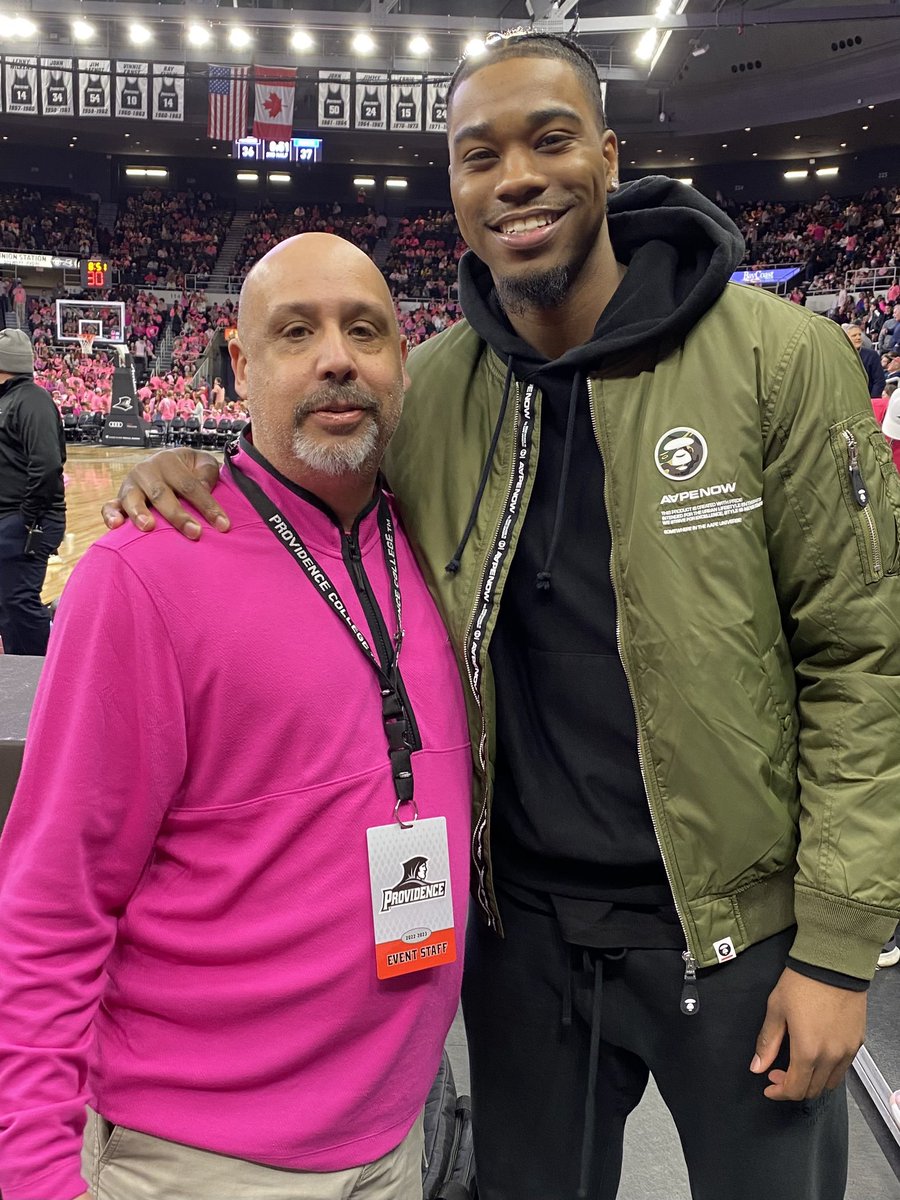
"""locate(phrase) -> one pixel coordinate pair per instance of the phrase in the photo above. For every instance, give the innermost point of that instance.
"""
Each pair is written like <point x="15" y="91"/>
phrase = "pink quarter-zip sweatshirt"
<point x="186" y="929"/>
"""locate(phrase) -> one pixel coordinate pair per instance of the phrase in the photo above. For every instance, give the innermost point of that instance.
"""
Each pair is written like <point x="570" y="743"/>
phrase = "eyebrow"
<point x="540" y="116"/>
<point x="355" y="310"/>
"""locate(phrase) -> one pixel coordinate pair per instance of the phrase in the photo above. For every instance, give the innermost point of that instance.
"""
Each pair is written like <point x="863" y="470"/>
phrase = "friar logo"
<point x="681" y="453"/>
<point x="413" y="887"/>
<point x="124" y="404"/>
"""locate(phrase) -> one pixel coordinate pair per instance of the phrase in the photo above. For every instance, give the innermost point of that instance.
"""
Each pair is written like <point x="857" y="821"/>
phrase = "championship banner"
<point x="94" y="87"/>
<point x="370" y="110"/>
<point x="334" y="99"/>
<point x="132" y="81"/>
<point x="406" y="103"/>
<point x="21" y="90"/>
<point x="273" y="119"/>
<point x="436" y="104"/>
<point x="168" y="92"/>
<point x="57" y="87"/>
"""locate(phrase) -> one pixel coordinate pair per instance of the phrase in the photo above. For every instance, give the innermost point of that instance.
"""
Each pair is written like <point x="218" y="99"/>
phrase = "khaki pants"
<point x="123" y="1164"/>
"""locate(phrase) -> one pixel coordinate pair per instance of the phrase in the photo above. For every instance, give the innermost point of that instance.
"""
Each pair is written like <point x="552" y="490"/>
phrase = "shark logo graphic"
<point x="414" y="886"/>
<point x="124" y="404"/>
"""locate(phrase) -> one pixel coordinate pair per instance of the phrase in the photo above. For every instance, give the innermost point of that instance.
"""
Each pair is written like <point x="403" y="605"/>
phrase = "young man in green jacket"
<point x="663" y="530"/>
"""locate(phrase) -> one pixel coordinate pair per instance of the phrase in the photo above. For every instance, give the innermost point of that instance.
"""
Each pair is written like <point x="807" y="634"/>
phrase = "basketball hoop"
<point x="86" y="342"/>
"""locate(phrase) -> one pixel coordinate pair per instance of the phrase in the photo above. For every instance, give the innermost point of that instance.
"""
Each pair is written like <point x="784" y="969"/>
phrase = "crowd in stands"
<point x="50" y="223"/>
<point x="424" y="255"/>
<point x="161" y="237"/>
<point x="194" y="322"/>
<point x="421" y="321"/>
<point x="269" y="225"/>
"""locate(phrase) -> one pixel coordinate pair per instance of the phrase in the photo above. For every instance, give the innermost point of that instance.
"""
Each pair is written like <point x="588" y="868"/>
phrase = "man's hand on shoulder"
<point x="159" y="481"/>
<point x="826" y="1026"/>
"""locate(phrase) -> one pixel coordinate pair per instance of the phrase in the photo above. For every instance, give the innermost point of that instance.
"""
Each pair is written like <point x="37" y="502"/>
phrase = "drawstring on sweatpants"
<point x="590" y="1097"/>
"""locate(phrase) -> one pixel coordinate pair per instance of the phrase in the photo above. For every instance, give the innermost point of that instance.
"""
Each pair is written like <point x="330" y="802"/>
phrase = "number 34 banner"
<point x="168" y="92"/>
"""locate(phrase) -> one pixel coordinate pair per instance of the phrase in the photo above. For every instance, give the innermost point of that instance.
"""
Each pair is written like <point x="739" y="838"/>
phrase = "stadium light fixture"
<point x="148" y="172"/>
<point x="247" y="177"/>
<point x="139" y="34"/>
<point x="239" y="38"/>
<point x="199" y="35"/>
<point x="827" y="171"/>
<point x="17" y="27"/>
<point x="395" y="182"/>
<point x="646" y="46"/>
<point x="363" y="43"/>
<point x="363" y="181"/>
<point x="279" y="177"/>
<point x="301" y="40"/>
<point x="419" y="45"/>
<point x="684" y="179"/>
<point x="663" y="9"/>
<point x="83" y="31"/>
<point x="796" y="174"/>
<point x="474" y="48"/>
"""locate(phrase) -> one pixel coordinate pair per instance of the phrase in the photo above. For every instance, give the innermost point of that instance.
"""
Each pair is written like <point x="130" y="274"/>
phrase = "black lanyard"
<point x="394" y="719"/>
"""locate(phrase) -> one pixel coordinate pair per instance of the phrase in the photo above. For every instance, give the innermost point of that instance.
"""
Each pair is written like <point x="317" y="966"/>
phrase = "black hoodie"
<point x="571" y="819"/>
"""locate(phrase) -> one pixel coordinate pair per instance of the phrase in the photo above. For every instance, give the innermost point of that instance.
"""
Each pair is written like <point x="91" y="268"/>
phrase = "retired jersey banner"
<point x="94" y="85"/>
<point x="168" y="92"/>
<point x="436" y="104"/>
<point x="370" y="110"/>
<point x="57" y="87"/>
<point x="21" y="85"/>
<point x="273" y="119"/>
<point x="132" y="79"/>
<point x="334" y="99"/>
<point x="405" y="109"/>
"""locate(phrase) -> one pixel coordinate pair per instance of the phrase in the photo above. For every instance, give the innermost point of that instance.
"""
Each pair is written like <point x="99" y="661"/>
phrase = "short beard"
<point x="539" y="289"/>
<point x="338" y="454"/>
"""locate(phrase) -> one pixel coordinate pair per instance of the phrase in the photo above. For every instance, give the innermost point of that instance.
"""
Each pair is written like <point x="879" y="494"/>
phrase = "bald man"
<point x="203" y="934"/>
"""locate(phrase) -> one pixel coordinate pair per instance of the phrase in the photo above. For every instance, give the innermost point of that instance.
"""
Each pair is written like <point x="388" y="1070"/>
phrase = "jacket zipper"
<point x="353" y="561"/>
<point x="861" y="496"/>
<point x="478" y="831"/>
<point x="690" y="999"/>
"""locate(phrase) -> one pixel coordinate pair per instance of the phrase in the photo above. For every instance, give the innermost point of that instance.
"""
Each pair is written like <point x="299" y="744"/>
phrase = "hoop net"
<point x="86" y="342"/>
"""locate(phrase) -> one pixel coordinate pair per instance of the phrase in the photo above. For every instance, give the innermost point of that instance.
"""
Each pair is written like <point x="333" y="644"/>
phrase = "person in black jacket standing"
<point x="870" y="361"/>
<point x="32" y="496"/>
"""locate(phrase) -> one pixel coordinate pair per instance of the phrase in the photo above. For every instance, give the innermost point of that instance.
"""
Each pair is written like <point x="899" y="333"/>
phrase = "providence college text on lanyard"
<point x="409" y="859"/>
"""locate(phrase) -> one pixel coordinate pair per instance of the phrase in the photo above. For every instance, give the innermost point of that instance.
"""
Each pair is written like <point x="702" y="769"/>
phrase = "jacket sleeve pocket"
<point x="870" y="487"/>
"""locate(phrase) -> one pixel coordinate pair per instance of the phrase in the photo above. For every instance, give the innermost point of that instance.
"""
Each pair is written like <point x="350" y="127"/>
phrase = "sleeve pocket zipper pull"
<point x="860" y="492"/>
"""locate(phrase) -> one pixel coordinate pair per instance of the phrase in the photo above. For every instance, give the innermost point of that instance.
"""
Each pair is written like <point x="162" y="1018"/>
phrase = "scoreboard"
<point x="95" y="273"/>
<point x="294" y="149"/>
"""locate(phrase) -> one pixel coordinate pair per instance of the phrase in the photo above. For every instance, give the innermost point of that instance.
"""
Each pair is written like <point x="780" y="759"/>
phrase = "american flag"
<point x="228" y="88"/>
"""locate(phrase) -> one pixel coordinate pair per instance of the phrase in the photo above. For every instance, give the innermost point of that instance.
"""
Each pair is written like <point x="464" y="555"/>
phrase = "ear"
<point x="404" y="352"/>
<point x="239" y="366"/>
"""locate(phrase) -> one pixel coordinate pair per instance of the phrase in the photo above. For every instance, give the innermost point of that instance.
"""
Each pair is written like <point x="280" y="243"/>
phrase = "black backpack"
<point x="448" y="1171"/>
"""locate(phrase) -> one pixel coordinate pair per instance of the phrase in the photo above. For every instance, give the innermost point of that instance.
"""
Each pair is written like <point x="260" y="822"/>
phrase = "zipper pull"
<point x="690" y="996"/>
<point x="860" y="492"/>
<point x="355" y="559"/>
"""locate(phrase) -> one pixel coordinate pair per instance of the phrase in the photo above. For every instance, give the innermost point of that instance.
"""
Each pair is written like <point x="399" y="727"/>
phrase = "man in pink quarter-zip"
<point x="205" y="941"/>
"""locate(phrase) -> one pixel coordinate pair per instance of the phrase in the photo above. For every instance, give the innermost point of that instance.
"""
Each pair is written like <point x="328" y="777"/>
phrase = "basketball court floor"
<point x="654" y="1167"/>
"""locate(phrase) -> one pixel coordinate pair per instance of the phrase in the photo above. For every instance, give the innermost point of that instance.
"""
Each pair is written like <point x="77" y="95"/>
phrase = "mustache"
<point x="336" y="396"/>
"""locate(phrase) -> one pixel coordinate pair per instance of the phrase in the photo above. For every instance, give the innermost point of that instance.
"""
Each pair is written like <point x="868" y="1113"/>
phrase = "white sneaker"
<point x="890" y="954"/>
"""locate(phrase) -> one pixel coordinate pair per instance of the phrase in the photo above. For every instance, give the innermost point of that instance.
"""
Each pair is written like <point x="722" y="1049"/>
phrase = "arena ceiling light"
<point x="363" y="181"/>
<point x="646" y="46"/>
<point x="247" y="177"/>
<point x="239" y="38"/>
<point x="83" y="31"/>
<point x="279" y="177"/>
<point x="140" y="35"/>
<point x="827" y="171"/>
<point x="363" y="43"/>
<point x="17" y="27"/>
<point x="796" y="174"/>
<point x="688" y="179"/>
<point x="199" y="35"/>
<point x="148" y="172"/>
<point x="301" y="40"/>
<point x="419" y="45"/>
<point x="474" y="48"/>
<point x="395" y="182"/>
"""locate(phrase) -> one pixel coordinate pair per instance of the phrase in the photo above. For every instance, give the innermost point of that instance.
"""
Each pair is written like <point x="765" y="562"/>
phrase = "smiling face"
<point x="318" y="357"/>
<point x="530" y="167"/>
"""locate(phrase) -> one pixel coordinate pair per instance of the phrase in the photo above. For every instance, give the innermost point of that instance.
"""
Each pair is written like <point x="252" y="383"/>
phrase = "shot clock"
<point x="95" y="273"/>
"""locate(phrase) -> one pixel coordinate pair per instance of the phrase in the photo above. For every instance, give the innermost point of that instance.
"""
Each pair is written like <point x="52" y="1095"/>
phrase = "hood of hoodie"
<point x="680" y="251"/>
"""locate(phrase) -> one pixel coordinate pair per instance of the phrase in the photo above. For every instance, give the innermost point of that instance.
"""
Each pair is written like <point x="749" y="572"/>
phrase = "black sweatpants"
<point x="529" y="1001"/>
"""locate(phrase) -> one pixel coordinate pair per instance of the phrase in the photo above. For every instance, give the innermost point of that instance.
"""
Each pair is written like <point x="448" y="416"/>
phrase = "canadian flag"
<point x="274" y="114"/>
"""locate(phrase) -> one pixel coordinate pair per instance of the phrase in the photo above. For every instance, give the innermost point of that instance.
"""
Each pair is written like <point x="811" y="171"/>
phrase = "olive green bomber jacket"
<point x="758" y="607"/>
